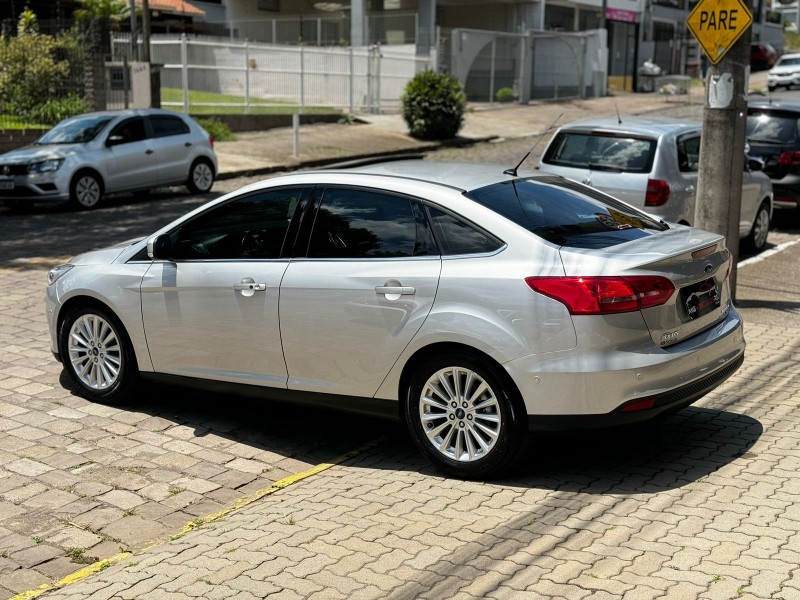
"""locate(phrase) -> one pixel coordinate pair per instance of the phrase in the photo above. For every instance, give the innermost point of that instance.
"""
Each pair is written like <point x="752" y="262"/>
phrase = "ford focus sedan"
<point x="479" y="306"/>
<point x="87" y="157"/>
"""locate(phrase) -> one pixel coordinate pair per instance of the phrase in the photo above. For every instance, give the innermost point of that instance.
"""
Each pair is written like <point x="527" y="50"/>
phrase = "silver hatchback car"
<point x="475" y="305"/>
<point x="652" y="164"/>
<point x="88" y="156"/>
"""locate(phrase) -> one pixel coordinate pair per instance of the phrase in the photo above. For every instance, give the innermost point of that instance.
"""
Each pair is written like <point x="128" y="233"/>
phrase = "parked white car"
<point x="785" y="73"/>
<point x="85" y="157"/>
<point x="652" y="164"/>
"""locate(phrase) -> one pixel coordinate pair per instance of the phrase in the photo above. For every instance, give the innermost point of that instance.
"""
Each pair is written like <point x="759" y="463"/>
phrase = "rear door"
<point x="360" y="294"/>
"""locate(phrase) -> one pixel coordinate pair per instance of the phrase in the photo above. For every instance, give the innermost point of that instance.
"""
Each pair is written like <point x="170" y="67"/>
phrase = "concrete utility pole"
<point x="719" y="180"/>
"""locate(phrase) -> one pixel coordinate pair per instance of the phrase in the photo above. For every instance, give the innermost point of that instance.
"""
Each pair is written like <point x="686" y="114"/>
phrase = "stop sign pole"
<point x="722" y="28"/>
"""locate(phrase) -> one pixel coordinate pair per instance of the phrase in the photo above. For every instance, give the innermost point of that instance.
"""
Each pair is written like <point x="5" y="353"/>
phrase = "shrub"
<point x="433" y="106"/>
<point x="54" y="110"/>
<point x="505" y="94"/>
<point x="219" y="130"/>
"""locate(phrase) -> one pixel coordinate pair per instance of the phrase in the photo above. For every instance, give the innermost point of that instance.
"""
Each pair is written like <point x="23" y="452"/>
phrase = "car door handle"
<point x="149" y="151"/>
<point x="187" y="144"/>
<point x="690" y="189"/>
<point x="247" y="286"/>
<point x="395" y="289"/>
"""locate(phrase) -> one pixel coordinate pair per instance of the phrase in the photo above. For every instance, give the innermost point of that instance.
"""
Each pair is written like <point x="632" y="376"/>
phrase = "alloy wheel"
<point x="87" y="191"/>
<point x="460" y="414"/>
<point x="202" y="176"/>
<point x="95" y="352"/>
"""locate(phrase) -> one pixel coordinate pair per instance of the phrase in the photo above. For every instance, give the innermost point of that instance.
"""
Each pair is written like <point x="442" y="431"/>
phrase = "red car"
<point x="762" y="56"/>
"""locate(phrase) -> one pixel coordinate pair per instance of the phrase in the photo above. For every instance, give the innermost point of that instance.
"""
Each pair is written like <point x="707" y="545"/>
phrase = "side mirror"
<point x="160" y="247"/>
<point x="755" y="164"/>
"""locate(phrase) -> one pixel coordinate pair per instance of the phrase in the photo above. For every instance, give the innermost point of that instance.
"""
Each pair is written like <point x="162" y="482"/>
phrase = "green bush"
<point x="217" y="129"/>
<point x="54" y="110"/>
<point x="505" y="94"/>
<point x="433" y="106"/>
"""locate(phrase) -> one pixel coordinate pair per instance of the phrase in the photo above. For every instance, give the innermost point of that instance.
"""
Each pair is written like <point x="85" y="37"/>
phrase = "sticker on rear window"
<point x="617" y="220"/>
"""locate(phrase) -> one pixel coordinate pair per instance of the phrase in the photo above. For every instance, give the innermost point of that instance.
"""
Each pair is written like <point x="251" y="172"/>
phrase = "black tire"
<point x="201" y="176"/>
<point x="85" y="190"/>
<point x="757" y="238"/>
<point x="502" y="414"/>
<point x="97" y="355"/>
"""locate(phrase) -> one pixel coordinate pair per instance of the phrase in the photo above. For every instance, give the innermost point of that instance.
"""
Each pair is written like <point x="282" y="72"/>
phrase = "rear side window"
<point x="352" y="223"/>
<point x="165" y="126"/>
<point x="459" y="237"/>
<point x="772" y="126"/>
<point x="588" y="150"/>
<point x="567" y="213"/>
<point x="689" y="154"/>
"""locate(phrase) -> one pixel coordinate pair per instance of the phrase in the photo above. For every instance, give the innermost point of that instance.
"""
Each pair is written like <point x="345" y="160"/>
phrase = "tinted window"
<point x="364" y="224"/>
<point x="164" y="125"/>
<point x="689" y="154"/>
<point x="566" y="213"/>
<point x="458" y="237"/>
<point x="253" y="227"/>
<point x="130" y="130"/>
<point x="772" y="126"/>
<point x="599" y="151"/>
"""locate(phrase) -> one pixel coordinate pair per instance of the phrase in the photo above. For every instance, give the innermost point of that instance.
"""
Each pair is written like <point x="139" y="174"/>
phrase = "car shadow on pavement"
<point x="645" y="458"/>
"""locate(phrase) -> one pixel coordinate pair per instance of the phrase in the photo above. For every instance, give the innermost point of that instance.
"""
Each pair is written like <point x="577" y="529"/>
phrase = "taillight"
<point x="730" y="264"/>
<point x="604" y="295"/>
<point x="211" y="140"/>
<point x="657" y="192"/>
<point x="789" y="158"/>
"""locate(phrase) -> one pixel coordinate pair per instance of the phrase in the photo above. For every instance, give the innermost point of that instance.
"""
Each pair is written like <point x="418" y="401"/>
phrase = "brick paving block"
<point x="27" y="467"/>
<point x="51" y="499"/>
<point x="180" y="500"/>
<point x="36" y="555"/>
<point x="175" y="461"/>
<point x="683" y="590"/>
<point x="63" y="412"/>
<point x="193" y="484"/>
<point x="57" y="569"/>
<point x="9" y="511"/>
<point x="550" y="589"/>
<point x="24" y="492"/>
<point x="72" y="537"/>
<point x="154" y="423"/>
<point x="22" y="580"/>
<point x="122" y="499"/>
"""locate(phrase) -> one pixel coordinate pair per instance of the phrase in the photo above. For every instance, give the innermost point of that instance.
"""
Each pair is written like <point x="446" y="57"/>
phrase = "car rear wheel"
<point x="86" y="190"/>
<point x="97" y="355"/>
<point x="757" y="239"/>
<point x="464" y="418"/>
<point x="201" y="177"/>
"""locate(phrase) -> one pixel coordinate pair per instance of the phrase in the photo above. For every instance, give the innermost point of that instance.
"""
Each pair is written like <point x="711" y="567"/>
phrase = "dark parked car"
<point x="773" y="136"/>
<point x="762" y="56"/>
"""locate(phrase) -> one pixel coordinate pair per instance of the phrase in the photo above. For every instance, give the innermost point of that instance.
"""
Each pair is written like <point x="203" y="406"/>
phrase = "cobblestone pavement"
<point x="702" y="505"/>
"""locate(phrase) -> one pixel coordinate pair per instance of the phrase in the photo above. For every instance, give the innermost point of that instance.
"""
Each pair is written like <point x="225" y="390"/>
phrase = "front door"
<point x="212" y="312"/>
<point x="129" y="157"/>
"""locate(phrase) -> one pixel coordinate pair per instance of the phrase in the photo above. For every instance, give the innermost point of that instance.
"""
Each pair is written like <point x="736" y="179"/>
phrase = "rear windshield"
<point x="601" y="151"/>
<point x="771" y="126"/>
<point x="567" y="213"/>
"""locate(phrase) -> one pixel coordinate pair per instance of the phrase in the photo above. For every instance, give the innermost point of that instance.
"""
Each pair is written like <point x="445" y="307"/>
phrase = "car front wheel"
<point x="97" y="355"/>
<point x="201" y="177"/>
<point x="86" y="190"/>
<point x="464" y="418"/>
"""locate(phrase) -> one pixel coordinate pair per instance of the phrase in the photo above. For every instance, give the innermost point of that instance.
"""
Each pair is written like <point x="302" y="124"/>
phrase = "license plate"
<point x="6" y="185"/>
<point x="701" y="298"/>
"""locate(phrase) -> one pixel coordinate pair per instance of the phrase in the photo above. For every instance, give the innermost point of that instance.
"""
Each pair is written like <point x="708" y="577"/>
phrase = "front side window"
<point x="601" y="151"/>
<point x="129" y="130"/>
<point x="364" y="224"/>
<point x="689" y="154"/>
<point x="252" y="227"/>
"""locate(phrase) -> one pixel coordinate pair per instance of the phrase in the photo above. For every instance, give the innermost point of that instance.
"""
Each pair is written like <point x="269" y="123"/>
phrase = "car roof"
<point x="459" y="175"/>
<point x="125" y="112"/>
<point x="767" y="104"/>
<point x="655" y="126"/>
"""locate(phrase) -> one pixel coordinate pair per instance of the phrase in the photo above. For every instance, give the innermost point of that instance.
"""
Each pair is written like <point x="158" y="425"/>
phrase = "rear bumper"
<point x="665" y="403"/>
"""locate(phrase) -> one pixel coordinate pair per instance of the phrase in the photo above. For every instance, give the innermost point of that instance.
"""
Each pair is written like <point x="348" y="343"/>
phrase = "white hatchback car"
<point x="652" y="164"/>
<point x="474" y="304"/>
<point x="88" y="156"/>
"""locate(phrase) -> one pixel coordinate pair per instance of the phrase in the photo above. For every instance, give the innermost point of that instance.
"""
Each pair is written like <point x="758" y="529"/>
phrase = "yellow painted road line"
<point x="191" y="525"/>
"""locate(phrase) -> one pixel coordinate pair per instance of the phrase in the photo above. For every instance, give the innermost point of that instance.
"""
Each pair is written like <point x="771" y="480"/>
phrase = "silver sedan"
<point x="477" y="306"/>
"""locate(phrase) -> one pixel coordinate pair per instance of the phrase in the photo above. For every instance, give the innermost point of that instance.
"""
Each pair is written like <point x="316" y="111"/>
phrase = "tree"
<point x="102" y="10"/>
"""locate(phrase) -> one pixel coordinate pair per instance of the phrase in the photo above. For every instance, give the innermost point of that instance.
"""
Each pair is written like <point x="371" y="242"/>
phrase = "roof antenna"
<point x="513" y="172"/>
<point x="619" y="119"/>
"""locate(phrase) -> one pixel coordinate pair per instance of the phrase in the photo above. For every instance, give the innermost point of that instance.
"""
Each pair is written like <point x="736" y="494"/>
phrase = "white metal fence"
<point x="252" y="76"/>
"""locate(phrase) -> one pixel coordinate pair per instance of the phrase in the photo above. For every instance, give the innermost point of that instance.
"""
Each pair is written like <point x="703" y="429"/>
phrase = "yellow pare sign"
<point x="717" y="24"/>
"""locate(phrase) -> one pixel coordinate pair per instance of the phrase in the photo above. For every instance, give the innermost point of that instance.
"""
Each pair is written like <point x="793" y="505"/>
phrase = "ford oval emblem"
<point x="708" y="268"/>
